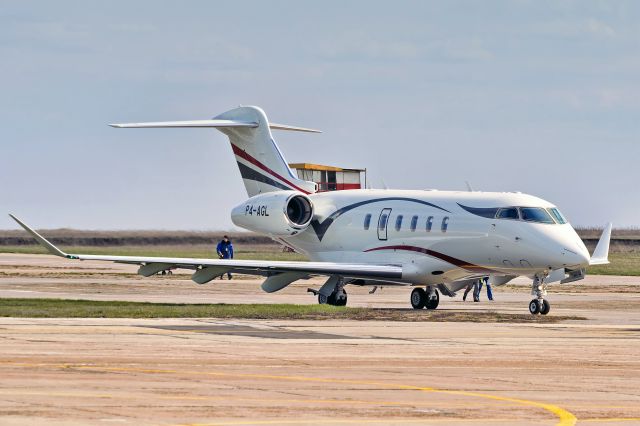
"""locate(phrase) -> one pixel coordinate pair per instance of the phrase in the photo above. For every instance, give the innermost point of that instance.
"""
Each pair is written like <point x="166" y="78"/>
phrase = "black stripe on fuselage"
<point x="488" y="212"/>
<point x="321" y="228"/>
<point x="248" y="173"/>
<point x="449" y="259"/>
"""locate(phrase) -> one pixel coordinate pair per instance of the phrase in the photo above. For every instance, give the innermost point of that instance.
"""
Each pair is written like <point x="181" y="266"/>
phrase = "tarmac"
<point x="331" y="372"/>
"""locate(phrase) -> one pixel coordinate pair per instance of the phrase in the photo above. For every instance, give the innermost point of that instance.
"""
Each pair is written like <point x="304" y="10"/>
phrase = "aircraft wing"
<point x="207" y="269"/>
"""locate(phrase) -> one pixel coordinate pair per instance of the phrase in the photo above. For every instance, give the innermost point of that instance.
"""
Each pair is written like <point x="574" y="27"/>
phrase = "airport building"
<point x="330" y="178"/>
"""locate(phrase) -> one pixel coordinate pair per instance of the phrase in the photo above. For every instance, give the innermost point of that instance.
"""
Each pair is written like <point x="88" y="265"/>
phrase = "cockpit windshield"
<point x="557" y="216"/>
<point x="508" y="213"/>
<point x="535" y="214"/>
<point x="549" y="215"/>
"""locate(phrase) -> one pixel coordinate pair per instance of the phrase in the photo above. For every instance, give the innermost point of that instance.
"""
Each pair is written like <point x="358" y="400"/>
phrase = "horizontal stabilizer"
<point x="215" y="123"/>
<point x="277" y="126"/>
<point x="600" y="255"/>
<point x="191" y="123"/>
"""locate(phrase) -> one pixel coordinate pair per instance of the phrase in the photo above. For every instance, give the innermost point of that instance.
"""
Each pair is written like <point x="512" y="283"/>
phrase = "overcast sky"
<point x="532" y="96"/>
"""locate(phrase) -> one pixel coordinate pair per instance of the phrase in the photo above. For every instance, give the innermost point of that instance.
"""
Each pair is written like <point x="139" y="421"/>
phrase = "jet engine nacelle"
<point x="275" y="213"/>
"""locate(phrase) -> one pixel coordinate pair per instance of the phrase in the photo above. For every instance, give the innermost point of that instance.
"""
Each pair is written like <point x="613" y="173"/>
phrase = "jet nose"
<point x="574" y="251"/>
<point x="575" y="256"/>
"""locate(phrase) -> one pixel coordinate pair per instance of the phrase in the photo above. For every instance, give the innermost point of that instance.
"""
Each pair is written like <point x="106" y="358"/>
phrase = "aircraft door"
<point x="383" y="224"/>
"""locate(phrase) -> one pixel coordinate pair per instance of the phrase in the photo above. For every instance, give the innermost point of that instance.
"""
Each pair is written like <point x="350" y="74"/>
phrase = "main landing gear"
<point x="336" y="298"/>
<point x="539" y="305"/>
<point x="332" y="292"/>
<point x="429" y="298"/>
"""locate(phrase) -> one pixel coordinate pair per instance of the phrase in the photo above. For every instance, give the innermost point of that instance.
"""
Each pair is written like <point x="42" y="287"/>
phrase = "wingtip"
<point x="116" y="125"/>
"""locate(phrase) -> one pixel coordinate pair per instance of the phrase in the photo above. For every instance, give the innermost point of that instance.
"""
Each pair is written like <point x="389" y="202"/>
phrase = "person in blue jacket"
<point x="476" y="292"/>
<point x="225" y="251"/>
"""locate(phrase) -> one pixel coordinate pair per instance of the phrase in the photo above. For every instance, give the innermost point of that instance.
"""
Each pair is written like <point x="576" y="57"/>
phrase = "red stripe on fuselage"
<point x="243" y="154"/>
<point x="452" y="260"/>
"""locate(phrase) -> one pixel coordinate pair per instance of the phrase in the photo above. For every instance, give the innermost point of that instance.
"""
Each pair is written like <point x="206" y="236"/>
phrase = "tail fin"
<point x="262" y="165"/>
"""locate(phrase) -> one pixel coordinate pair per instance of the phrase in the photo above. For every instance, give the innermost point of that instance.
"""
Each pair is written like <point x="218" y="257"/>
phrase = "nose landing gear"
<point x="539" y="305"/>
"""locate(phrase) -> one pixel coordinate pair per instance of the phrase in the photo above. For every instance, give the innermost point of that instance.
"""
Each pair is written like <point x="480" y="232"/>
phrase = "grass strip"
<point x="67" y="308"/>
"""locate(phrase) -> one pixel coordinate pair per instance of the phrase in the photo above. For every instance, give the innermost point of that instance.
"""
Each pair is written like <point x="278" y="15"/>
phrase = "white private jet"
<point x="436" y="241"/>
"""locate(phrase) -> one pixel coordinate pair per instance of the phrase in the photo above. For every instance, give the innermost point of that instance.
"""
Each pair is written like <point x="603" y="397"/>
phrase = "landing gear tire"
<point x="545" y="307"/>
<point x="433" y="303"/>
<point x="418" y="298"/>
<point x="334" y="299"/>
<point x="340" y="298"/>
<point x="534" y="307"/>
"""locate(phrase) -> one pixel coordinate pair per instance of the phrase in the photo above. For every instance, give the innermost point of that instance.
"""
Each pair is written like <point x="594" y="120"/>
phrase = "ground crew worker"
<point x="476" y="291"/>
<point x="489" y="291"/>
<point x="225" y="251"/>
<point x="476" y="285"/>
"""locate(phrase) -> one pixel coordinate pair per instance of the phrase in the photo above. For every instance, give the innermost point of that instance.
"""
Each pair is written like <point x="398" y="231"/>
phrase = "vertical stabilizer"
<point x="262" y="165"/>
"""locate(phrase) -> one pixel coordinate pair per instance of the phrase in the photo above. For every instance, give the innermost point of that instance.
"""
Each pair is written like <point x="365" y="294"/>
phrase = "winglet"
<point x="43" y="241"/>
<point x="601" y="253"/>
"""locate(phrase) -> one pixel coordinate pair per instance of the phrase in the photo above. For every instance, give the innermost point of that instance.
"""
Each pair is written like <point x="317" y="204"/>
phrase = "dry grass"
<point x="595" y="232"/>
<point x="621" y="264"/>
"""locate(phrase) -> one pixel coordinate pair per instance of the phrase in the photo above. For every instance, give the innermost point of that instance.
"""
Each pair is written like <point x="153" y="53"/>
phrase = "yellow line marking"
<point x="565" y="417"/>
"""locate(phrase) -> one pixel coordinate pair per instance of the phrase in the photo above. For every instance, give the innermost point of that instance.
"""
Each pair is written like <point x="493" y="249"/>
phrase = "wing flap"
<point x="262" y="267"/>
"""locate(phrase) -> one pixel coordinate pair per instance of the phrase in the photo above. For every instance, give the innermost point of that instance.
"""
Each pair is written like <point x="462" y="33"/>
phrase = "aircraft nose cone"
<point x="575" y="253"/>
<point x="574" y="257"/>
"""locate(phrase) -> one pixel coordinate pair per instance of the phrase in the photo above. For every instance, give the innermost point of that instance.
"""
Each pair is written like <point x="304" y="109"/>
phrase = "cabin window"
<point x="429" y="223"/>
<point x="382" y="224"/>
<point x="414" y="223"/>
<point x="399" y="222"/>
<point x="508" y="213"/>
<point x="445" y="224"/>
<point x="535" y="214"/>
<point x="367" y="221"/>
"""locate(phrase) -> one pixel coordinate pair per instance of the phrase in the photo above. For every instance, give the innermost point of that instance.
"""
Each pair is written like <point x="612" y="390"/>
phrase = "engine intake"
<point x="275" y="213"/>
<point x="299" y="210"/>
